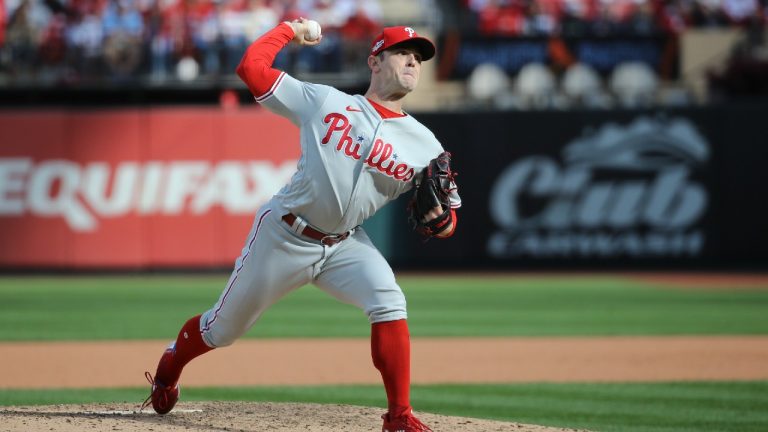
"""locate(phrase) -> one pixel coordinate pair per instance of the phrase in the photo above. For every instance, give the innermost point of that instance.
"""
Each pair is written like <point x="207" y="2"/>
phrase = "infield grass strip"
<point x="152" y="307"/>
<point x="635" y="407"/>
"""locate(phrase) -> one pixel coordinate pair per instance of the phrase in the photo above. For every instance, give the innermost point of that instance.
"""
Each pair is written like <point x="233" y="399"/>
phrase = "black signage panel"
<point x="620" y="189"/>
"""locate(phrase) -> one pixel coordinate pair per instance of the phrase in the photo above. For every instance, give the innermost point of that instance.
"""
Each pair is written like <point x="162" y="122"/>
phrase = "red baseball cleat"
<point x="404" y="423"/>
<point x="163" y="397"/>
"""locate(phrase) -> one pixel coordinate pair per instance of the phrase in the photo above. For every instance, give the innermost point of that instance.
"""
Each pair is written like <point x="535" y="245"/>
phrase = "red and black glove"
<point x="432" y="189"/>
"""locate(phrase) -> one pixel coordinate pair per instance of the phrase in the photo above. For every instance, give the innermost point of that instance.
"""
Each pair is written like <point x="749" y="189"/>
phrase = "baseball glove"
<point x="431" y="190"/>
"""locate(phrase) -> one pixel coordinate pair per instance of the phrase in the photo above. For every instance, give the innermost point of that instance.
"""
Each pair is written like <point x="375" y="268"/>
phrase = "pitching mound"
<point x="231" y="416"/>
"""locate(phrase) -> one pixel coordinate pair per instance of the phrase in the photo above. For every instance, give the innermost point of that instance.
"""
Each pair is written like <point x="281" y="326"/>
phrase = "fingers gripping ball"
<point x="313" y="31"/>
<point x="431" y="190"/>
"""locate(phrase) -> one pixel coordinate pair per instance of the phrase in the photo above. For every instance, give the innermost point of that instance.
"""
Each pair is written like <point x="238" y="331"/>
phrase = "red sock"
<point x="189" y="344"/>
<point x="391" y="352"/>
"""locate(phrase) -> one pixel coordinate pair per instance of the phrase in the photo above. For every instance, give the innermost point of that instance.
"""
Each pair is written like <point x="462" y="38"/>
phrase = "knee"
<point x="219" y="332"/>
<point x="219" y="339"/>
<point x="391" y="311"/>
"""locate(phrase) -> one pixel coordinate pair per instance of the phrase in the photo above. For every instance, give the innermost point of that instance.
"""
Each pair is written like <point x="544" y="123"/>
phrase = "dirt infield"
<point x="232" y="416"/>
<point x="435" y="360"/>
<point x="347" y="361"/>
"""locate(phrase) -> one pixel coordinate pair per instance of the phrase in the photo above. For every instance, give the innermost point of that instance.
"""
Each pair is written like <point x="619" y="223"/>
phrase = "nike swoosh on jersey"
<point x="351" y="108"/>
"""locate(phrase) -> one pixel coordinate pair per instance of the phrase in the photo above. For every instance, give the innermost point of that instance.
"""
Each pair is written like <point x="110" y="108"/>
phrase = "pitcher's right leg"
<point x="273" y="262"/>
<point x="165" y="384"/>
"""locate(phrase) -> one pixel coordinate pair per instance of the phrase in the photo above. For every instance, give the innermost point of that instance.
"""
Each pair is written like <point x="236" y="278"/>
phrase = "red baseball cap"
<point x="392" y="36"/>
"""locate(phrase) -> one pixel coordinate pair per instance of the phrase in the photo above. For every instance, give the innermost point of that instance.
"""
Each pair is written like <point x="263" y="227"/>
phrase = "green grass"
<point x="620" y="407"/>
<point x="154" y="307"/>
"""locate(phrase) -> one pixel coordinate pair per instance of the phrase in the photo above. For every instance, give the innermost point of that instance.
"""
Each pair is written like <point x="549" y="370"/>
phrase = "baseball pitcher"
<point x="358" y="152"/>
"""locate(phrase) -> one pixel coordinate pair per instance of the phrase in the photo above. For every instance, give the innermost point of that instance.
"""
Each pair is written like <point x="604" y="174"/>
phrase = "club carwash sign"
<point x="622" y="190"/>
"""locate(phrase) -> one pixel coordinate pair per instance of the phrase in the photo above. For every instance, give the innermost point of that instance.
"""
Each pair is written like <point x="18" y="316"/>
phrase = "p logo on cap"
<point x="392" y="36"/>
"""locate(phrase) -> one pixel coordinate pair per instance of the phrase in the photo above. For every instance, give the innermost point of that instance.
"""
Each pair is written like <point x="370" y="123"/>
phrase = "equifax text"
<point x="83" y="194"/>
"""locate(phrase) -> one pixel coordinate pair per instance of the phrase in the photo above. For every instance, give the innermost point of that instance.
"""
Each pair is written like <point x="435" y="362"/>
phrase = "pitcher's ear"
<point x="373" y="62"/>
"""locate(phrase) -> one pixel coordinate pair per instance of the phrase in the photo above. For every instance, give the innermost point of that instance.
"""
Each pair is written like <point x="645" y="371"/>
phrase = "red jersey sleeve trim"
<point x="255" y="68"/>
<point x="271" y="89"/>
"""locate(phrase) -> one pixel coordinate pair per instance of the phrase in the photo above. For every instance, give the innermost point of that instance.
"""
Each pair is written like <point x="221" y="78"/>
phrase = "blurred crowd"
<point x="630" y="84"/>
<point x="71" y="41"/>
<point x="609" y="17"/>
<point x="68" y="42"/>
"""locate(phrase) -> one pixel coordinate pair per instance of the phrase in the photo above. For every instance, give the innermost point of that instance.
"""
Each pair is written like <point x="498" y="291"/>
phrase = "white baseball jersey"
<point x="352" y="163"/>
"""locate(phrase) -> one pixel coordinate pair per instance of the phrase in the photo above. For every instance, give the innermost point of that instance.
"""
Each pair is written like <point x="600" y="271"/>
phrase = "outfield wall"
<point x="136" y="188"/>
<point x="631" y="189"/>
<point x="178" y="187"/>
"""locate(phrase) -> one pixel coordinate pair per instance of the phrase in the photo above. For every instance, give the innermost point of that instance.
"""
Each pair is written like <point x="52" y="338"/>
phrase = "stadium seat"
<point x="635" y="84"/>
<point x="535" y="87"/>
<point x="583" y="87"/>
<point x="486" y="82"/>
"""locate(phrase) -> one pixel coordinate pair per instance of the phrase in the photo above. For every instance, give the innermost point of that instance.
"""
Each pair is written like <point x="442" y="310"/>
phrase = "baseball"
<point x="313" y="31"/>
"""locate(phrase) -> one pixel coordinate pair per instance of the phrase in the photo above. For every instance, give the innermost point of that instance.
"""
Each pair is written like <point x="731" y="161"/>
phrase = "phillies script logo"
<point x="627" y="190"/>
<point x="84" y="194"/>
<point x="381" y="153"/>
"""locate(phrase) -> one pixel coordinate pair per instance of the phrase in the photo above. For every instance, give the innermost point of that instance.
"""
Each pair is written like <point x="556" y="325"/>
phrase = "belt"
<point x="308" y="231"/>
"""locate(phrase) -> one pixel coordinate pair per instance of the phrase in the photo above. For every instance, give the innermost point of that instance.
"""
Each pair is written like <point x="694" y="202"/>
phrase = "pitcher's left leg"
<point x="356" y="273"/>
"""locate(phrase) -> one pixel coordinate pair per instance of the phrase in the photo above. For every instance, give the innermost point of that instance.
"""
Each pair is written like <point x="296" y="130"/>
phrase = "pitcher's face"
<point x="399" y="70"/>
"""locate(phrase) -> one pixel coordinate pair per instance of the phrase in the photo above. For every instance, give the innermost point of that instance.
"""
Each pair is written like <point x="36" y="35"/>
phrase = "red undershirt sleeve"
<point x="455" y="221"/>
<point x="255" y="69"/>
